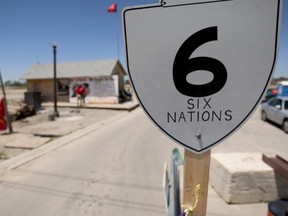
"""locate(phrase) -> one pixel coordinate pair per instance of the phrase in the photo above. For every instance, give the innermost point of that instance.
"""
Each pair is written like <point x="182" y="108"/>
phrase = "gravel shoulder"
<point x="35" y="131"/>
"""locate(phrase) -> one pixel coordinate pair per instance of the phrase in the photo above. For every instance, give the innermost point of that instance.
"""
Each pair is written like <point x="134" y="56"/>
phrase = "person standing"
<point x="80" y="91"/>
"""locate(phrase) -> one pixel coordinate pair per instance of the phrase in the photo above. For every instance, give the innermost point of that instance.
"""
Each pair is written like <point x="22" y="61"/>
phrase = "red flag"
<point x="3" y="122"/>
<point x="112" y="8"/>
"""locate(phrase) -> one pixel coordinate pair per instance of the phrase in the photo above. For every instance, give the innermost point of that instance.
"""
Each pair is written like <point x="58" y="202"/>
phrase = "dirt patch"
<point x="37" y="130"/>
<point x="32" y="132"/>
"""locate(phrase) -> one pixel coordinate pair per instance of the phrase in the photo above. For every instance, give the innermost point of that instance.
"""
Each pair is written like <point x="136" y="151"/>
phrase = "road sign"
<point x="200" y="68"/>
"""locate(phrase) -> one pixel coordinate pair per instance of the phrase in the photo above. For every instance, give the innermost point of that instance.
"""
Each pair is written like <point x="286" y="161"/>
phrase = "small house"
<point x="104" y="80"/>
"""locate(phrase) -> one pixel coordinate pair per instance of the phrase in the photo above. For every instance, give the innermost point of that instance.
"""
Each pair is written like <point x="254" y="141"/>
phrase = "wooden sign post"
<point x="196" y="178"/>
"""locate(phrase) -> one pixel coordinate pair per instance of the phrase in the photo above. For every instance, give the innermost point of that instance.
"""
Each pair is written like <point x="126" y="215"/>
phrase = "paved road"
<point x="116" y="170"/>
<point x="257" y="136"/>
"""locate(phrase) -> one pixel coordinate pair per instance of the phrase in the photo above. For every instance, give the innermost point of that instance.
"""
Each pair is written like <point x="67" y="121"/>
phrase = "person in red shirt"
<point x="80" y="91"/>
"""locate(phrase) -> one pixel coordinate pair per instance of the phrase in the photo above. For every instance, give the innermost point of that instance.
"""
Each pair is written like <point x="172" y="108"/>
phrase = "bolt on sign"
<point x="200" y="68"/>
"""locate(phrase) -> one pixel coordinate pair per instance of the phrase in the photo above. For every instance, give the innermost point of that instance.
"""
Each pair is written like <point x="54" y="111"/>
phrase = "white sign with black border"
<point x="200" y="68"/>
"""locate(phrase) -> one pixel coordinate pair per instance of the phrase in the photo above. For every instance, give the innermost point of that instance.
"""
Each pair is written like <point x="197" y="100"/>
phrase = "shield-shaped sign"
<point x="200" y="68"/>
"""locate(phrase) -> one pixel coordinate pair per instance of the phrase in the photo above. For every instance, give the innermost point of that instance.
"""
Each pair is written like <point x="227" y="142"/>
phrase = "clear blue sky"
<point x="82" y="29"/>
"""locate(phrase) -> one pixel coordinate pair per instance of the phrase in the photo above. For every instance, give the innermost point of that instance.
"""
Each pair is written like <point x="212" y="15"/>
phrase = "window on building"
<point x="63" y="86"/>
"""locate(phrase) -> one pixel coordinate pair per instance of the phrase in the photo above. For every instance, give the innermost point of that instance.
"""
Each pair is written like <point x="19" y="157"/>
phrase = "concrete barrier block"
<point x="245" y="178"/>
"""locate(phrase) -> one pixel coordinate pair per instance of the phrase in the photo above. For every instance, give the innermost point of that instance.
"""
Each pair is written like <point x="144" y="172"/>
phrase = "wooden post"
<point x="196" y="173"/>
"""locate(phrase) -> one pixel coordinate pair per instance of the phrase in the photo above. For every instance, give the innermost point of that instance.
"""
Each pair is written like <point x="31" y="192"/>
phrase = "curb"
<point x="120" y="108"/>
<point x="26" y="157"/>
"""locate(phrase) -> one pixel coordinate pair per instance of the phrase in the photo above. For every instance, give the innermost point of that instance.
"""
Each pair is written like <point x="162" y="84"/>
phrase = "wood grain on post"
<point x="196" y="172"/>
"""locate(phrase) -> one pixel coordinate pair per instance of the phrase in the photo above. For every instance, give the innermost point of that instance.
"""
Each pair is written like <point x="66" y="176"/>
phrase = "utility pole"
<point x="56" y="113"/>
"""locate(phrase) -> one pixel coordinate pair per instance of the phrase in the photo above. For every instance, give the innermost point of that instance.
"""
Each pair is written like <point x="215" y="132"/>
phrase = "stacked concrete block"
<point x="245" y="178"/>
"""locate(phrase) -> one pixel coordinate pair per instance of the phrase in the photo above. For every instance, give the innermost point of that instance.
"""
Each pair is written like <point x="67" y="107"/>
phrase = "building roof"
<point x="74" y="69"/>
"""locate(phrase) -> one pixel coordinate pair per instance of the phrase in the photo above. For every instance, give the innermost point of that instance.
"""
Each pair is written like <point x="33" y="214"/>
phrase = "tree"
<point x="15" y="83"/>
<point x="7" y="83"/>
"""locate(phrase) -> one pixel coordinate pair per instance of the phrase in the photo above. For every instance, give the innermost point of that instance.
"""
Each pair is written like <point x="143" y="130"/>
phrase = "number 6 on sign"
<point x="183" y="66"/>
<point x="193" y="79"/>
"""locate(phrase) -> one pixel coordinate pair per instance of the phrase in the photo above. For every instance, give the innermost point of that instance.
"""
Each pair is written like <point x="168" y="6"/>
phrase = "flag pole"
<point x="114" y="9"/>
<point x="117" y="26"/>
<point x="5" y="106"/>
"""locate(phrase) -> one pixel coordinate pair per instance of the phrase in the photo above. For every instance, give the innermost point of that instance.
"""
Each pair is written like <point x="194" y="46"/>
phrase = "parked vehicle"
<point x="276" y="110"/>
<point x="271" y="92"/>
<point x="283" y="88"/>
